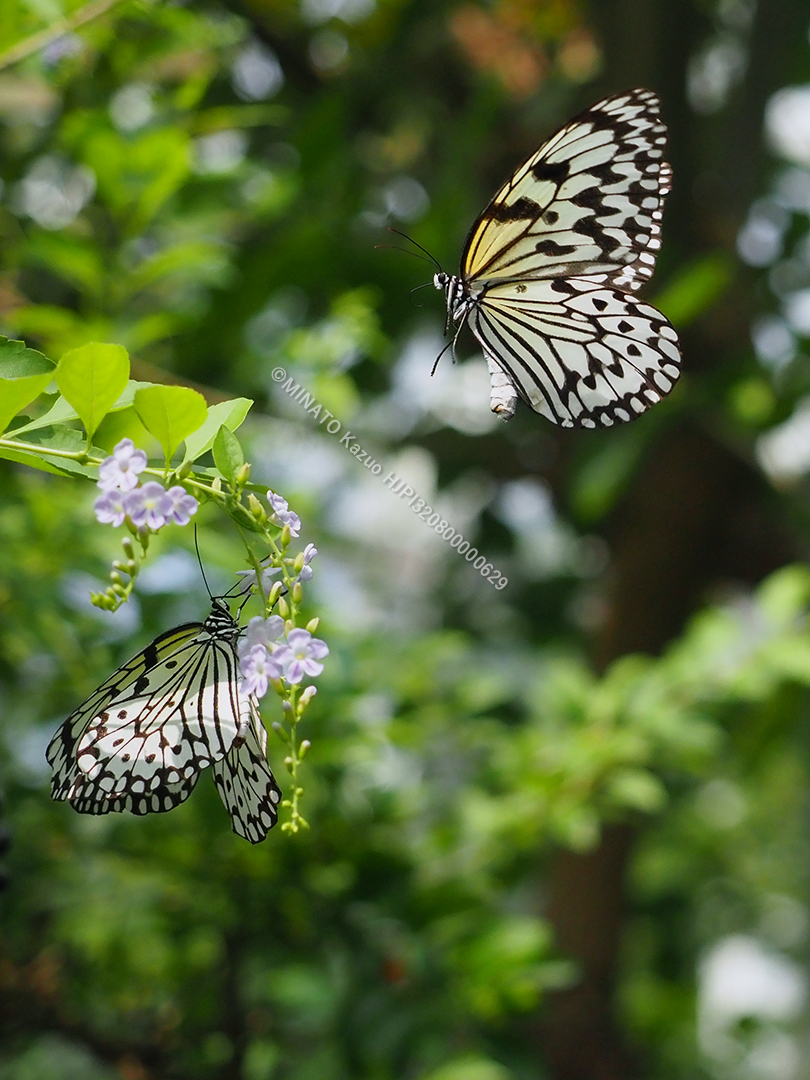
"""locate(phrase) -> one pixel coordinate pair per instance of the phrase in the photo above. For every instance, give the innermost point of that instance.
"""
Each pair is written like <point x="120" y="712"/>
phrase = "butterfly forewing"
<point x="589" y="201"/>
<point x="62" y="751"/>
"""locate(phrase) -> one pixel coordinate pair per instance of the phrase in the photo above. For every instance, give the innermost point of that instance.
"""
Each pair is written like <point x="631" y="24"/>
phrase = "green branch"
<point x="30" y="45"/>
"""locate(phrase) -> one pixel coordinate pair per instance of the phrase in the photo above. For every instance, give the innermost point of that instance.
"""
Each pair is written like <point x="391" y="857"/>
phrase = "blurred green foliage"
<point x="207" y="184"/>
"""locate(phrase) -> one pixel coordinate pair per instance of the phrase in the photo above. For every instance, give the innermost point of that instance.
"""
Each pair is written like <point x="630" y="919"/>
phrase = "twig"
<point x="30" y="45"/>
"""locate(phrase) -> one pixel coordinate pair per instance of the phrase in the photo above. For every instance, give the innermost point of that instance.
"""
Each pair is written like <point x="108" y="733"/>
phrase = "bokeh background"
<point x="559" y="830"/>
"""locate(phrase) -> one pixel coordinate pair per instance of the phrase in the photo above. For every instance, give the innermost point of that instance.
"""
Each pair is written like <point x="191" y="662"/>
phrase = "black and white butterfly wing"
<point x="246" y="785"/>
<point x="550" y="267"/>
<point x="578" y="351"/>
<point x="141" y="739"/>
<point x="589" y="201"/>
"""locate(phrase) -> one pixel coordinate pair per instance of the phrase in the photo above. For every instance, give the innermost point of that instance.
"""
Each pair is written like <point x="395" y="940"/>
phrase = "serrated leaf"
<point x="170" y="413"/>
<point x="92" y="378"/>
<point x="227" y="413"/>
<point x="228" y="454"/>
<point x="24" y="374"/>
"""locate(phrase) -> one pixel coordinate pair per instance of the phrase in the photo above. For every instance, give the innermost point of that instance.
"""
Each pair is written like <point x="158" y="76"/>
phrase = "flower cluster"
<point x="265" y="653"/>
<point x="148" y="506"/>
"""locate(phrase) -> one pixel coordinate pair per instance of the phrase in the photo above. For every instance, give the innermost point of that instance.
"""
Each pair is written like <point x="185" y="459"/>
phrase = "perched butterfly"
<point x="140" y="741"/>
<point x="549" y="268"/>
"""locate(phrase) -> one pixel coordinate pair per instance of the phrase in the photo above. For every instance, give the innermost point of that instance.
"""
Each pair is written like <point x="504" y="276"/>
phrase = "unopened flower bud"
<point x="297" y="592"/>
<point x="255" y="507"/>
<point x="280" y="731"/>
<point x="243" y="473"/>
<point x="307" y="696"/>
<point x="285" y="536"/>
<point x="313" y="624"/>
<point x="283" y="608"/>
<point x="303" y="748"/>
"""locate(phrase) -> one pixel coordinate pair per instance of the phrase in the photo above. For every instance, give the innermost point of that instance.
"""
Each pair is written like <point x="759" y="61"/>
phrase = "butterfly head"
<point x="441" y="280"/>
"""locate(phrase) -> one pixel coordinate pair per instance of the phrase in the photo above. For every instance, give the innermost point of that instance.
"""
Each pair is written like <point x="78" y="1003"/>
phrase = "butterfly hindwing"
<point x="588" y="201"/>
<point x="246" y="785"/>
<point x="577" y="350"/>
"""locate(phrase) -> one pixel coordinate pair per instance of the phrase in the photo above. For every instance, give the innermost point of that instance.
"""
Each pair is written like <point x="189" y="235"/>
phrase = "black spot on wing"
<point x="522" y="209"/>
<point x="553" y="171"/>
<point x="551" y="247"/>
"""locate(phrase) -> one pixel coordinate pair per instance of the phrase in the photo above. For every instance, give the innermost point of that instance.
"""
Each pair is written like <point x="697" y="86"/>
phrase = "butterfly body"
<point x="549" y="270"/>
<point x="140" y="741"/>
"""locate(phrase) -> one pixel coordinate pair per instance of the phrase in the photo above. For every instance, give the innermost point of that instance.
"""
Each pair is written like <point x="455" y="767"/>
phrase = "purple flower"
<point x="110" y="508"/>
<point x="300" y="656"/>
<point x="282" y="515"/>
<point x="249" y="578"/>
<point x="183" y="505"/>
<point x="149" y="506"/>
<point x="259" y="631"/>
<point x="310" y="551"/>
<point x="120" y="471"/>
<point x="258" y="667"/>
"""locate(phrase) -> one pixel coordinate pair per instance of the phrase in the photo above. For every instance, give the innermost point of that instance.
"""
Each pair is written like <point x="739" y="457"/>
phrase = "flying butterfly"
<point x="140" y="741"/>
<point x="549" y="270"/>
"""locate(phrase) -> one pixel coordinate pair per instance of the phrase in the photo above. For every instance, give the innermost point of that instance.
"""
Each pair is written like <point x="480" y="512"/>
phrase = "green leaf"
<point x="92" y="378"/>
<point x="227" y="413"/>
<point x="62" y="410"/>
<point x="170" y="413"/>
<point x="60" y="438"/>
<point x="228" y="455"/>
<point x="24" y="374"/>
<point x="695" y="289"/>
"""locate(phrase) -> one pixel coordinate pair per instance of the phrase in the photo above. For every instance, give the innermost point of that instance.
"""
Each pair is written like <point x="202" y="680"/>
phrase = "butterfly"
<point x="140" y="741"/>
<point x="549" y="270"/>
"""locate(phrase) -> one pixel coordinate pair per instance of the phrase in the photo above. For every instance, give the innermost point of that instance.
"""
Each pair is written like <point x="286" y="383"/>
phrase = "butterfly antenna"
<point x="202" y="569"/>
<point x="405" y="251"/>
<point x="411" y="240"/>
<point x="427" y="284"/>
<point x="441" y="354"/>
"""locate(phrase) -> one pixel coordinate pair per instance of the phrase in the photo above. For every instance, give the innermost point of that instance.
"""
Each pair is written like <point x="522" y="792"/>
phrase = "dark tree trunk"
<point x="696" y="514"/>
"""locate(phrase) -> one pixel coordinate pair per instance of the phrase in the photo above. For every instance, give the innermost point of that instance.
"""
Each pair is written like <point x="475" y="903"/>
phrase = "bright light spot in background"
<point x="741" y="979"/>
<point x="256" y="73"/>
<point x="787" y="123"/>
<point x="402" y="198"/>
<point x="784" y="451"/>
<point x="54" y="192"/>
<point x="773" y="341"/>
<point x="793" y="190"/>
<point x="797" y="311"/>
<point x="405" y="198"/>
<point x="457" y="395"/>
<point x="328" y="50"/>
<point x="759" y="241"/>
<point x="221" y="152"/>
<point x="131" y="107"/>
<point x="713" y="72"/>
<point x="350" y="11"/>
<point x="546" y="545"/>
<point x="175" y="572"/>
